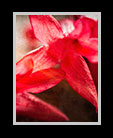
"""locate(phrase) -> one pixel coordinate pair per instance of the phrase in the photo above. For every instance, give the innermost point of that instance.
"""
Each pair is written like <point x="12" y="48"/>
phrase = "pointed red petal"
<point x="40" y="58"/>
<point x="40" y="80"/>
<point x="79" y="76"/>
<point x="95" y="30"/>
<point x="46" y="28"/>
<point x="88" y="49"/>
<point x="85" y="28"/>
<point x="88" y="28"/>
<point x="33" y="107"/>
<point x="24" y="67"/>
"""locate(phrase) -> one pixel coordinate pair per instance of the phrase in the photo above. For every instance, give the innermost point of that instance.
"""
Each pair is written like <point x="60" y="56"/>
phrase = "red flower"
<point x="36" y="71"/>
<point x="85" y="31"/>
<point x="90" y="26"/>
<point x="67" y="51"/>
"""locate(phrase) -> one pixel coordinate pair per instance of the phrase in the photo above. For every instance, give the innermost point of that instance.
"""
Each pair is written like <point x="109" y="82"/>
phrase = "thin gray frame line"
<point x="14" y="68"/>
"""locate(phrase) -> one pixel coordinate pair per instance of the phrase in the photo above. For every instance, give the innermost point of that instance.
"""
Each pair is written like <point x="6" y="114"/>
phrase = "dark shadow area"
<point x="69" y="102"/>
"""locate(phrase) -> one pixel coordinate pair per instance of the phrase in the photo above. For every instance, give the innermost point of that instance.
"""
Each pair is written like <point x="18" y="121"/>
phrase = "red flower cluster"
<point x="36" y="71"/>
<point x="85" y="30"/>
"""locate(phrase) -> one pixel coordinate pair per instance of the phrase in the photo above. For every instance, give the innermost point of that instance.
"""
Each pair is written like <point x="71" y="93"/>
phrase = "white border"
<point x="99" y="68"/>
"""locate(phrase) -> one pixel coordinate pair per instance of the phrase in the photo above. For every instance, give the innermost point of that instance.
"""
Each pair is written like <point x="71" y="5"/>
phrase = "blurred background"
<point x="62" y="95"/>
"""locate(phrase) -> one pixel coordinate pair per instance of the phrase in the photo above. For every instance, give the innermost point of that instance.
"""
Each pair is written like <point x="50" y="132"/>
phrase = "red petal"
<point x="79" y="76"/>
<point x="40" y="80"/>
<point x="93" y="24"/>
<point x="88" y="49"/>
<point x="33" y="107"/>
<point x="95" y="30"/>
<point x="46" y="28"/>
<point x="24" y="67"/>
<point x="85" y="28"/>
<point x="40" y="58"/>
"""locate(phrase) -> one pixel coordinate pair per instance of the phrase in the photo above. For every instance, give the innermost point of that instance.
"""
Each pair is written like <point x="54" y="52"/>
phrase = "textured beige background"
<point x="62" y="96"/>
